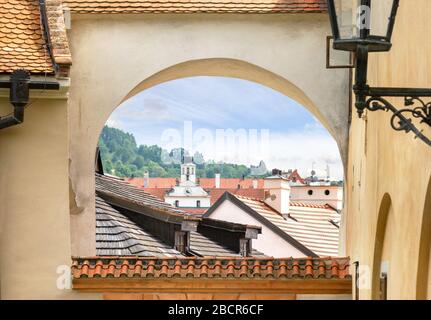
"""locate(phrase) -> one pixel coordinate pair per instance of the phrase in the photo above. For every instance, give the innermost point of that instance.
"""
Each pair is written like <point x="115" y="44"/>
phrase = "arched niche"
<point x="423" y="281"/>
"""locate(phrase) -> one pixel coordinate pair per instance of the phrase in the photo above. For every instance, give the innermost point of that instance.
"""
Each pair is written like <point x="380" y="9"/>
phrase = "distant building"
<point x="190" y="189"/>
<point x="187" y="193"/>
<point x="331" y="195"/>
<point x="259" y="170"/>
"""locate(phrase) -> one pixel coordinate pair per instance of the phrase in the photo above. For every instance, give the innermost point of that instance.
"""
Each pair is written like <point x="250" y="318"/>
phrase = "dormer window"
<point x="182" y="241"/>
<point x="198" y="203"/>
<point x="177" y="203"/>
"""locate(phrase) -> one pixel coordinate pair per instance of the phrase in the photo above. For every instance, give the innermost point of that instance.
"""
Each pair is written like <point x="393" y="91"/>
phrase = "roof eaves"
<point x="58" y="45"/>
<point x="155" y="212"/>
<point x="228" y="226"/>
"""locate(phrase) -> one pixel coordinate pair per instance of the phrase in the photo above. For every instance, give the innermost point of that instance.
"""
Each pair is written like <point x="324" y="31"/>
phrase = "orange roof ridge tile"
<point x="288" y="268"/>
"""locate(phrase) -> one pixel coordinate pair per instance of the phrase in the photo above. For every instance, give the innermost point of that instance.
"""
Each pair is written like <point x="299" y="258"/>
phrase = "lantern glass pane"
<point x="380" y="14"/>
<point x="356" y="17"/>
<point x="346" y="16"/>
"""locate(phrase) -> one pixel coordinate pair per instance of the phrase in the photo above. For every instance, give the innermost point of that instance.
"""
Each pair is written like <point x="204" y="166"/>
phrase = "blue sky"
<point x="288" y="136"/>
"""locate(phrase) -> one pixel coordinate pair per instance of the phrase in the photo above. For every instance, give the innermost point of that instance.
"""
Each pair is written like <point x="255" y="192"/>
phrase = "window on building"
<point x="177" y="203"/>
<point x="198" y="203"/>
<point x="310" y="192"/>
<point x="327" y="192"/>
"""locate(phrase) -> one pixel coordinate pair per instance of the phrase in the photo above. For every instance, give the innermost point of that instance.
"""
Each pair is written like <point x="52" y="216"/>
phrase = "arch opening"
<point x="384" y="210"/>
<point x="244" y="72"/>
<point x="423" y="281"/>
<point x="239" y="69"/>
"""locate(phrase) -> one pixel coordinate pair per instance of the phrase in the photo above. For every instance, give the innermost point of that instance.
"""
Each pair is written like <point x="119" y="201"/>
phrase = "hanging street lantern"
<point x="363" y="26"/>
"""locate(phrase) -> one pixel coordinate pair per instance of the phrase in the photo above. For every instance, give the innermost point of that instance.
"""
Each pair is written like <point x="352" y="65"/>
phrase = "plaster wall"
<point x="189" y="202"/>
<point x="385" y="162"/>
<point x="268" y="242"/>
<point x="117" y="56"/>
<point x="34" y="203"/>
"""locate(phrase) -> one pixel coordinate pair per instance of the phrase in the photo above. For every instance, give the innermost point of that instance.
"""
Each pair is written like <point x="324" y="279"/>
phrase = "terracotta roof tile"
<point x="212" y="267"/>
<point x="196" y="6"/>
<point x="22" y="45"/>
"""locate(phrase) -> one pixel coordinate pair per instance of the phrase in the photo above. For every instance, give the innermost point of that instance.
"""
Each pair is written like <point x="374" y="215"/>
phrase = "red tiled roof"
<point x="310" y="205"/>
<point x="196" y="6"/>
<point x="211" y="267"/>
<point x="295" y="176"/>
<point x="22" y="45"/>
<point x="157" y="192"/>
<point x="230" y="183"/>
<point x="209" y="183"/>
<point x="22" y="42"/>
<point x="153" y="182"/>
<point x="249" y="193"/>
<point x="196" y="211"/>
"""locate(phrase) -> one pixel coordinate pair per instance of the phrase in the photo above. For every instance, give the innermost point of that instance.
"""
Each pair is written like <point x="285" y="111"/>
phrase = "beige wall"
<point x="117" y="56"/>
<point x="383" y="161"/>
<point x="34" y="211"/>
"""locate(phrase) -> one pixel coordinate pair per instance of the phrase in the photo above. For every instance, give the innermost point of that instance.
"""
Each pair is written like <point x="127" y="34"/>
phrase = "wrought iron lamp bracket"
<point x="402" y="119"/>
<point x="374" y="99"/>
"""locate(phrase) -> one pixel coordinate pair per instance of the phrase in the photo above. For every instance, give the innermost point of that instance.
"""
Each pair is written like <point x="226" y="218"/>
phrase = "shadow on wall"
<point x="423" y="290"/>
<point x="385" y="207"/>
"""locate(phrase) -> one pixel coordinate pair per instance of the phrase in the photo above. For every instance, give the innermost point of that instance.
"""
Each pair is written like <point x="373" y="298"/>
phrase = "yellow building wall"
<point x="34" y="203"/>
<point x="385" y="162"/>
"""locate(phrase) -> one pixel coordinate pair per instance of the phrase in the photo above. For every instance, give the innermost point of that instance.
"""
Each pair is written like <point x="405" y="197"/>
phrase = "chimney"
<point x="217" y="180"/>
<point x="255" y="183"/>
<point x="277" y="193"/>
<point x="146" y="179"/>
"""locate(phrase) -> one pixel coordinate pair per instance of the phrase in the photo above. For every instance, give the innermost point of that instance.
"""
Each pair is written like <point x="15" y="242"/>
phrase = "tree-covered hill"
<point x="123" y="157"/>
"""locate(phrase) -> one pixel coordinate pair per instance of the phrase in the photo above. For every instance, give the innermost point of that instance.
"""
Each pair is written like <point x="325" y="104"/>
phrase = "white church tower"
<point x="188" y="171"/>
<point x="188" y="194"/>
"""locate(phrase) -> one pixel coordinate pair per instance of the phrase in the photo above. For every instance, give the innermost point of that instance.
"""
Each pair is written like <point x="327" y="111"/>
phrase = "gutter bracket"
<point x="20" y="84"/>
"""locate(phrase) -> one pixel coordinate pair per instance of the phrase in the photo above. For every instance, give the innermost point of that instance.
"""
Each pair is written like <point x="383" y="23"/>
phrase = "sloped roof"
<point x="196" y="6"/>
<point x="156" y="183"/>
<point x="117" y="235"/>
<point x="206" y="247"/>
<point x="309" y="225"/>
<point x="250" y="193"/>
<point x="27" y="43"/>
<point x="211" y="267"/>
<point x="230" y="183"/>
<point x="121" y="189"/>
<point x="22" y="44"/>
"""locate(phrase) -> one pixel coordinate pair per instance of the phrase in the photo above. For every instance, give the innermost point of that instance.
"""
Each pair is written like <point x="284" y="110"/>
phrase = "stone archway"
<point x="423" y="279"/>
<point x="82" y="181"/>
